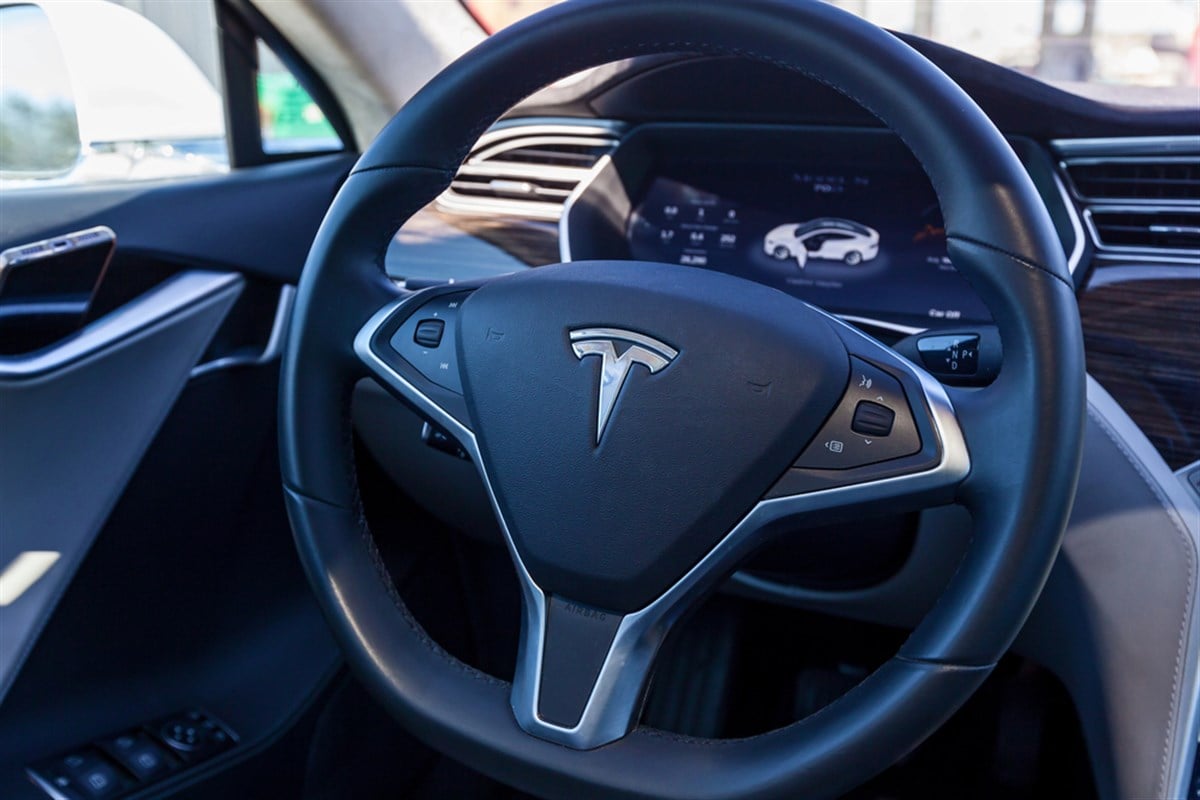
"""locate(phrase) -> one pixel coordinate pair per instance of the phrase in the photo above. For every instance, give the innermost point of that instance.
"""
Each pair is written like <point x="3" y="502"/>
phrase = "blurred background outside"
<point x="102" y="90"/>
<point x="1128" y="42"/>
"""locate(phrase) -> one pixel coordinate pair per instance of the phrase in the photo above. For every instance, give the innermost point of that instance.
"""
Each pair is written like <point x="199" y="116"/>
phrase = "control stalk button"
<point x="950" y="354"/>
<point x="439" y="439"/>
<point x="872" y="419"/>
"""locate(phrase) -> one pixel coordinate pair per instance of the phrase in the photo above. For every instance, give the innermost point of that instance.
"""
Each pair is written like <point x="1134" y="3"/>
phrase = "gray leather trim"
<point x="1182" y="512"/>
<point x="77" y="419"/>
<point x="1118" y="619"/>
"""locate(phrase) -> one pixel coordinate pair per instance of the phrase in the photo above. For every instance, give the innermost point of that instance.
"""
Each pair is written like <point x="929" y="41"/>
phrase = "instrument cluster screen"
<point x="856" y="242"/>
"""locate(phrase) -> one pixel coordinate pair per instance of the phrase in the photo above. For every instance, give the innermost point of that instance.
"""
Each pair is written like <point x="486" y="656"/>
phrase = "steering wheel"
<point x="642" y="428"/>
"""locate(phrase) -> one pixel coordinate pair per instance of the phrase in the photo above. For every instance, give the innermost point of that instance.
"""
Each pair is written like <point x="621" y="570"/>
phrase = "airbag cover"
<point x="687" y="449"/>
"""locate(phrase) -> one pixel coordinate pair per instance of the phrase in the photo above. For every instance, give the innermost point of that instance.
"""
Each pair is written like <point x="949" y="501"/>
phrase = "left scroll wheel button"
<point x="429" y="332"/>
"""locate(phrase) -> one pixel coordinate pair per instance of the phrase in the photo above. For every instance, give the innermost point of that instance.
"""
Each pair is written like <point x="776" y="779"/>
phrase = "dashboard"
<point x="842" y="217"/>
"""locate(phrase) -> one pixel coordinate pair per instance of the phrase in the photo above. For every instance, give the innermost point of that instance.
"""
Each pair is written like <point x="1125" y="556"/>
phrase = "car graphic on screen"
<point x="827" y="238"/>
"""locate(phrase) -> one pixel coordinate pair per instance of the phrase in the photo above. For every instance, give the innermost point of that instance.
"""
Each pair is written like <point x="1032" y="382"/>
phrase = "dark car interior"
<point x="499" y="457"/>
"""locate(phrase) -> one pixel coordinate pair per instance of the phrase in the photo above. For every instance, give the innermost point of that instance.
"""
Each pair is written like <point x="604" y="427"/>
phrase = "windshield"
<point x="1091" y="47"/>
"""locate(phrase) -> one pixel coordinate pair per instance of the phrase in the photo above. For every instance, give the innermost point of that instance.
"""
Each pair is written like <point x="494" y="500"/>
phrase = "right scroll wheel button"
<point x="429" y="332"/>
<point x="872" y="419"/>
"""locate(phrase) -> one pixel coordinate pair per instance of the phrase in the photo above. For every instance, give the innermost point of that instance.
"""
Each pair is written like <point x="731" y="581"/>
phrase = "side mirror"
<point x="94" y="92"/>
<point x="39" y="128"/>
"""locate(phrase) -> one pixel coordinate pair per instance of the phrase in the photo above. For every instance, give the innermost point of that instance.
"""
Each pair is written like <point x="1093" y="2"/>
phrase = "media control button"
<point x="872" y="419"/>
<point x="426" y="340"/>
<point x="429" y="332"/>
<point x="872" y="423"/>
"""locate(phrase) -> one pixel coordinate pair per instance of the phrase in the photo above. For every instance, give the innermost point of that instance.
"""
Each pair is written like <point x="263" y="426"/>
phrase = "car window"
<point x="291" y="121"/>
<point x="77" y="109"/>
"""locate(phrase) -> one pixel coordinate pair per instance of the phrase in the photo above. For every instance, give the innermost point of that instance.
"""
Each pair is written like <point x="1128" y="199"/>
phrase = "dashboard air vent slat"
<point x="527" y="170"/>
<point x="1137" y="179"/>
<point x="563" y="155"/>
<point x="1147" y="229"/>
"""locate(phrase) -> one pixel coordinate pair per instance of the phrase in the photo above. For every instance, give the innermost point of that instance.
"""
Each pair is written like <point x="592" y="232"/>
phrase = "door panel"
<point x="77" y="418"/>
<point x="177" y="586"/>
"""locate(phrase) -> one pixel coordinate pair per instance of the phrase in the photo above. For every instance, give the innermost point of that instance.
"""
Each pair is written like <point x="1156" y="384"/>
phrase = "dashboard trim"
<point x="1126" y="272"/>
<point x="896" y="327"/>
<point x="564" y="221"/>
<point x="1076" y="254"/>
<point x="1121" y="146"/>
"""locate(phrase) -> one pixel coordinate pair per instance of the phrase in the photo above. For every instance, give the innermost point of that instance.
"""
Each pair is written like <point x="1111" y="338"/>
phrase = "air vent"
<point x="1173" y="230"/>
<point x="527" y="170"/>
<point x="1159" y="180"/>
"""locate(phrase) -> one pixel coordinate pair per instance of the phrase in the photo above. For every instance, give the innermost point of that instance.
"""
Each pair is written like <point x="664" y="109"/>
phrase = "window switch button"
<point x="139" y="754"/>
<point x="93" y="776"/>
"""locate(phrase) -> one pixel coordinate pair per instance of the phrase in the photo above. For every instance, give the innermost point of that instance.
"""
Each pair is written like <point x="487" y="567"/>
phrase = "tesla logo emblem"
<point x="614" y="369"/>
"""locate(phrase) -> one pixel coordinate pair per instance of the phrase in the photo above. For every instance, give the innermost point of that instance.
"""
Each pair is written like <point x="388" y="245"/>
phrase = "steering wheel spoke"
<point x="409" y="347"/>
<point x="581" y="671"/>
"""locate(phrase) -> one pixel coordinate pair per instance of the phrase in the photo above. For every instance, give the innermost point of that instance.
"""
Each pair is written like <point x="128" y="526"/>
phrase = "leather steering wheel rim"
<point x="1024" y="432"/>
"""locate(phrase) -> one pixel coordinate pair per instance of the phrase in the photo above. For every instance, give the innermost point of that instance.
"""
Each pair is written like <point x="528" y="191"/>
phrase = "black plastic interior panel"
<point x="259" y="221"/>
